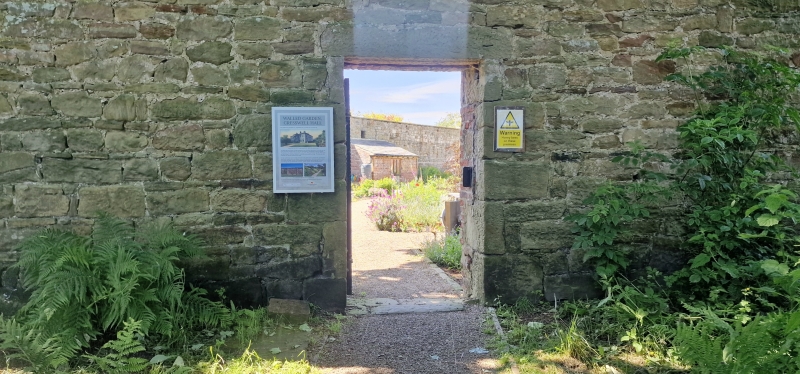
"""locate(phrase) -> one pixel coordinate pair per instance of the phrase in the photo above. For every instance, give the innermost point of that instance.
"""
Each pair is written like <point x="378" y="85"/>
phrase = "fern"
<point x="118" y="360"/>
<point x="768" y="344"/>
<point x="85" y="288"/>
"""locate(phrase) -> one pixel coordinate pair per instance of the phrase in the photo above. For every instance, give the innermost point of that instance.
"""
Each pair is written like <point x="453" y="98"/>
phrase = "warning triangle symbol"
<point x="510" y="123"/>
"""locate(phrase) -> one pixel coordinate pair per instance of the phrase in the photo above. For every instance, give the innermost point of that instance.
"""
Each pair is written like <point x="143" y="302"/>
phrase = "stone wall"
<point x="382" y="167"/>
<point x="433" y="145"/>
<point x="159" y="110"/>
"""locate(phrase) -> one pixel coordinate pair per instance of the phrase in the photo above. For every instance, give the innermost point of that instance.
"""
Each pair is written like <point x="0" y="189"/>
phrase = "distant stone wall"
<point x="432" y="144"/>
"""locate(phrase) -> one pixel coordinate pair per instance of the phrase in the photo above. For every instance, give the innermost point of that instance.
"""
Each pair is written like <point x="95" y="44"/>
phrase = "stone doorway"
<point x="385" y="268"/>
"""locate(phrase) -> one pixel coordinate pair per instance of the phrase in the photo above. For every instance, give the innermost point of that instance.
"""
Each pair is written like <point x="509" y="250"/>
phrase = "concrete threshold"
<point x="363" y="306"/>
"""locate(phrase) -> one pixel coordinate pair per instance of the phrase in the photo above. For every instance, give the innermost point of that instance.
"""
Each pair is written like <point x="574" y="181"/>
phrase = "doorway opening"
<point x="407" y="130"/>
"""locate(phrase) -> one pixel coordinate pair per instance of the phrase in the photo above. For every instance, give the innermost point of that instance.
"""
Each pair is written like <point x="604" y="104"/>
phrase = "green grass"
<point x="444" y="252"/>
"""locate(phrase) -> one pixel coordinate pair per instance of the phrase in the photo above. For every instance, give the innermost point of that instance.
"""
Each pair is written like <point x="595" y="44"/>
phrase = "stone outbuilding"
<point x="386" y="159"/>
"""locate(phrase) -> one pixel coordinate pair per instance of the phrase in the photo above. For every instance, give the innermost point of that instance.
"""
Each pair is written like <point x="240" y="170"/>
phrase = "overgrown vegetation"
<point x="445" y="252"/>
<point x="116" y="302"/>
<point x="728" y="191"/>
<point x="413" y="206"/>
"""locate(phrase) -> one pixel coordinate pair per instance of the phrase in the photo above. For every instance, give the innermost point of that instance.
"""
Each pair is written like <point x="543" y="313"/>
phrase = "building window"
<point x="396" y="166"/>
<point x="363" y="134"/>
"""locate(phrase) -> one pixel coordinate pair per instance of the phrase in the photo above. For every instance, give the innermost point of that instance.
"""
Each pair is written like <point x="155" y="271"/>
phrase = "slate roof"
<point x="380" y="148"/>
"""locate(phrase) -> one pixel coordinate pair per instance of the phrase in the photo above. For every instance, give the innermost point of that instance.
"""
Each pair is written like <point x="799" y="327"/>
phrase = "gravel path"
<point x="386" y="265"/>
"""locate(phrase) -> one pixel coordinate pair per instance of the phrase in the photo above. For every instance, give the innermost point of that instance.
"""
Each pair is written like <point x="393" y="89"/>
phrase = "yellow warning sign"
<point x="509" y="130"/>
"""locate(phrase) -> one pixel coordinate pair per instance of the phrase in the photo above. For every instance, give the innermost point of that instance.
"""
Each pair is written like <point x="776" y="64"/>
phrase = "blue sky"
<point x="418" y="96"/>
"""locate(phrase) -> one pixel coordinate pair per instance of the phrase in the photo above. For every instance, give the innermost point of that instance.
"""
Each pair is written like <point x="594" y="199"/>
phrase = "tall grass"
<point x="444" y="252"/>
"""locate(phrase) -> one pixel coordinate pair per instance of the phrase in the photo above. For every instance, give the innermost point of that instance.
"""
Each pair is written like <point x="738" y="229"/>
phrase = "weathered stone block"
<point x="212" y="52"/>
<point x="294" y="268"/>
<point x="82" y="171"/>
<point x="191" y="108"/>
<point x="181" y="138"/>
<point x="714" y="40"/>
<point x="249" y="93"/>
<point x="91" y="10"/>
<point x="120" y="141"/>
<point x="77" y="104"/>
<point x="571" y="286"/>
<point x="34" y="104"/>
<point x="209" y="75"/>
<point x="119" y="201"/>
<point x="84" y="140"/>
<point x="27" y="124"/>
<point x="303" y="239"/>
<point x="511" y="277"/>
<point x="125" y="108"/>
<point x="291" y="97"/>
<point x="136" y="11"/>
<point x="15" y="161"/>
<point x="112" y="30"/>
<point x="6" y="206"/>
<point x="327" y="294"/>
<point x="514" y="180"/>
<point x="177" y="202"/>
<point x="543" y="76"/>
<point x="514" y="16"/>
<point x="140" y="169"/>
<point x="546" y="235"/>
<point x="221" y="165"/>
<point x="644" y="110"/>
<point x="46" y="29"/>
<point x="280" y="74"/>
<point x="235" y="200"/>
<point x="46" y="141"/>
<point x="252" y="51"/>
<point x="651" y="72"/>
<point x="40" y="201"/>
<point x="257" y="28"/>
<point x="156" y="31"/>
<point x="30" y="9"/>
<point x="614" y="5"/>
<point x="221" y="236"/>
<point x="203" y="28"/>
<point x="176" y="168"/>
<point x="134" y="69"/>
<point x="324" y="207"/>
<point x="253" y="131"/>
<point x="176" y="69"/>
<point x="49" y="75"/>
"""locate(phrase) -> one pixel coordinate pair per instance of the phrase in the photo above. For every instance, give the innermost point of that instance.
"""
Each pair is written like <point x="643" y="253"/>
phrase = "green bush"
<point x="83" y="289"/>
<point x="445" y="252"/>
<point x="387" y="184"/>
<point x="426" y="173"/>
<point x="363" y="189"/>
<point x="726" y="186"/>
<point x="414" y="206"/>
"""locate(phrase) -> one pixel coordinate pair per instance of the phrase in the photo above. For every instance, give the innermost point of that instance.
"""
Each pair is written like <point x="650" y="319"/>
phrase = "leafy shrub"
<point x="83" y="289"/>
<point x="740" y="224"/>
<point x="387" y="184"/>
<point x="427" y="173"/>
<point x="413" y="206"/>
<point x="445" y="252"/>
<point x="363" y="189"/>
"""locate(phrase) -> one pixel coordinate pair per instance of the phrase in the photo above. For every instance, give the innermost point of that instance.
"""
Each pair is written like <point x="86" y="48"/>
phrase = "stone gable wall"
<point x="432" y="144"/>
<point x="160" y="110"/>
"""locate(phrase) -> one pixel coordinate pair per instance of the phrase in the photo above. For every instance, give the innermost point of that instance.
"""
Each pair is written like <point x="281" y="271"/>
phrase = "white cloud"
<point x="420" y="92"/>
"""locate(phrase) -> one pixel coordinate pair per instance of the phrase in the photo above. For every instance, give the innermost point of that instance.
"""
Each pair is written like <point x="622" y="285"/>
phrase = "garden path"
<point x="407" y="315"/>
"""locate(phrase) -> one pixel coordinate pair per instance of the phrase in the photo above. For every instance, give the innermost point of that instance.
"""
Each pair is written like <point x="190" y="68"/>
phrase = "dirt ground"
<point x="387" y="265"/>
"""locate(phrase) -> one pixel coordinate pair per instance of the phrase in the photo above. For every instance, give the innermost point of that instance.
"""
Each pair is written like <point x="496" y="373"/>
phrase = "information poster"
<point x="509" y="129"/>
<point x="302" y="149"/>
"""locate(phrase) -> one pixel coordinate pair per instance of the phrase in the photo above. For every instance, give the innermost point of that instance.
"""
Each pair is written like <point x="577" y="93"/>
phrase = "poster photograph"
<point x="302" y="156"/>
<point x="509" y="129"/>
